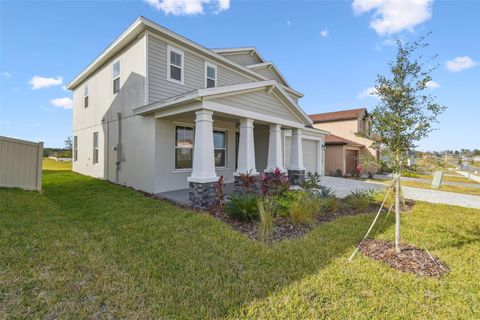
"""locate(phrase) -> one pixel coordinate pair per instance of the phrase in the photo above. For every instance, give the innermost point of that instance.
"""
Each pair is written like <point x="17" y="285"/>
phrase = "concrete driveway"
<point x="343" y="187"/>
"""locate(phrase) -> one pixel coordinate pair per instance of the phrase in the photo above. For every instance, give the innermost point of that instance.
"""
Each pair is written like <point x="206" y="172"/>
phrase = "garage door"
<point x="310" y="155"/>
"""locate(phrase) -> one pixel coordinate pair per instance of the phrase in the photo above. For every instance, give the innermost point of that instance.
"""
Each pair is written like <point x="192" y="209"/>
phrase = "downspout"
<point x="118" y="148"/>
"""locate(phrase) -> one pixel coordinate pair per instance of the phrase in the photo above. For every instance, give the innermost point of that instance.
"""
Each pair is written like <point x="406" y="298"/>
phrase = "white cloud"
<point x="432" y="84"/>
<point x="367" y="93"/>
<point x="324" y="33"/>
<point x="64" y="88"/>
<point x="461" y="63"/>
<point x="65" y="103"/>
<point x="188" y="7"/>
<point x="391" y="16"/>
<point x="38" y="82"/>
<point x="6" y="74"/>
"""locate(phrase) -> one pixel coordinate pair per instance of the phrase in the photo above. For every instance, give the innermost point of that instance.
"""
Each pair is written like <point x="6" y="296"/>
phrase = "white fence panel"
<point x="20" y="164"/>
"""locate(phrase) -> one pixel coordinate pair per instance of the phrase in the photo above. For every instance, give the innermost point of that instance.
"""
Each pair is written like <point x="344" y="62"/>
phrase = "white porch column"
<point x="246" y="148"/>
<point x="296" y="151"/>
<point x="275" y="155"/>
<point x="203" y="170"/>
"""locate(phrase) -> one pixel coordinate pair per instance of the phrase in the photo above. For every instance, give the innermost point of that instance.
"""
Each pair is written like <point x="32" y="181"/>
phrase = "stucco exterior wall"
<point x="137" y="133"/>
<point x="167" y="178"/>
<point x="347" y="129"/>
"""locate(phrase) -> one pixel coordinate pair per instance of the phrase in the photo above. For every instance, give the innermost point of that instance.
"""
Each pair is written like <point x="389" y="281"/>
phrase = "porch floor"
<point x="181" y="196"/>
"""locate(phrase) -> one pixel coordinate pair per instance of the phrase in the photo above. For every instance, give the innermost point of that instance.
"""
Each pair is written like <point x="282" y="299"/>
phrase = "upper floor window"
<point x="116" y="77"/>
<point x="95" y="147"/>
<point x="175" y="65"/>
<point x="85" y="96"/>
<point x="210" y="75"/>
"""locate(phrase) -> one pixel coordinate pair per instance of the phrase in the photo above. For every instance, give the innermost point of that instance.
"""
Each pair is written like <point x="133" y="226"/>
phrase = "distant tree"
<point x="405" y="112"/>
<point x="68" y="143"/>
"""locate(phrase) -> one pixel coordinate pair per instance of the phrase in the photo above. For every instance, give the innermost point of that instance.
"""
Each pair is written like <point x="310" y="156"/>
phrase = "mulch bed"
<point x="283" y="229"/>
<point x="411" y="259"/>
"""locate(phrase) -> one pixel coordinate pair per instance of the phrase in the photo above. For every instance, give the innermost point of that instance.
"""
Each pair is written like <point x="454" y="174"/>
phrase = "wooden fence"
<point x="20" y="164"/>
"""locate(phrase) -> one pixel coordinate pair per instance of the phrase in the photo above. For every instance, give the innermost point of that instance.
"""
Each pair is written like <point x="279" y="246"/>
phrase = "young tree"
<point x="405" y="112"/>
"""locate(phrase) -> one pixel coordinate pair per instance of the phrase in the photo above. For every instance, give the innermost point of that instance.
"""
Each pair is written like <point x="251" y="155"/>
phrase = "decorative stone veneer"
<point x="238" y="186"/>
<point x="296" y="177"/>
<point x="202" y="195"/>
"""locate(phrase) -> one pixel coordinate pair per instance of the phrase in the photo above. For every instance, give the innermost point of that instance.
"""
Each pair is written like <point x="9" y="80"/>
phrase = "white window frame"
<point x="179" y="125"/>
<point x="225" y="148"/>
<point x="182" y="68"/>
<point x="75" y="148"/>
<point x="95" y="159"/>
<point x="86" y="100"/>
<point x="117" y="77"/>
<point x="214" y="66"/>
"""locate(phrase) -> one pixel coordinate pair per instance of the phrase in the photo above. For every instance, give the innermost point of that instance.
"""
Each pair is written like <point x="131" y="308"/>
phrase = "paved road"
<point x="343" y="187"/>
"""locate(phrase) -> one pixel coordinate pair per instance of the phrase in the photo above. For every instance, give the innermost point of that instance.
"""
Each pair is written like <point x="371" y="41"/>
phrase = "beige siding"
<point x="259" y="102"/>
<point x="160" y="88"/>
<point x="269" y="74"/>
<point x="244" y="59"/>
<point x="20" y="164"/>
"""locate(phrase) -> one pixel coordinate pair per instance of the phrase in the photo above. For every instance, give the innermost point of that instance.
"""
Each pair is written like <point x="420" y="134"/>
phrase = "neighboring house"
<point x="158" y="112"/>
<point x="349" y="139"/>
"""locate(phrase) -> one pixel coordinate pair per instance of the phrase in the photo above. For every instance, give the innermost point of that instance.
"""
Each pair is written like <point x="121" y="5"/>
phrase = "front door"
<point x="351" y="162"/>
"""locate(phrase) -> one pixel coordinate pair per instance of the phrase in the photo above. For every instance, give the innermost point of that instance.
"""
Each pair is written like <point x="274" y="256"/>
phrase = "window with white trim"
<point x="85" y="96"/>
<point x="183" y="147"/>
<point x="75" y="148"/>
<point x="116" y="77"/>
<point x="220" y="147"/>
<point x="175" y="65"/>
<point x="95" y="148"/>
<point x="210" y="75"/>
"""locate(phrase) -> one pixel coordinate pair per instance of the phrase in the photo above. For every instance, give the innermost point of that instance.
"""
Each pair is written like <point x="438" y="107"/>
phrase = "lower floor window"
<point x="220" y="149"/>
<point x="95" y="147"/>
<point x="183" y="147"/>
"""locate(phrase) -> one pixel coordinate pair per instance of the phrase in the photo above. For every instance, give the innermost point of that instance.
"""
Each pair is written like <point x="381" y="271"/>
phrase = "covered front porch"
<point x="222" y="133"/>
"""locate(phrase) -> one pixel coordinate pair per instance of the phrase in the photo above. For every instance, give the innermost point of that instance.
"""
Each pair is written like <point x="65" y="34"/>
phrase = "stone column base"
<point x="202" y="195"/>
<point x="296" y="177"/>
<point x="238" y="183"/>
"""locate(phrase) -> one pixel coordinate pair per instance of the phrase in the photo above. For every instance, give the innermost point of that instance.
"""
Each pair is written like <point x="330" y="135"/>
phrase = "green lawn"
<point x="84" y="248"/>
<point x="449" y="177"/>
<point x="51" y="164"/>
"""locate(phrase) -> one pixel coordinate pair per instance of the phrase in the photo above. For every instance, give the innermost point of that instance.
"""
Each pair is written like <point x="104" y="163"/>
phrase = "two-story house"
<point x="349" y="139"/>
<point x="161" y="113"/>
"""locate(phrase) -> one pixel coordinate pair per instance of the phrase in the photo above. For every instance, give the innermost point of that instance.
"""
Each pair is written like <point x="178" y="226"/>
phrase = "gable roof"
<point x="251" y="50"/>
<point x="142" y="24"/>
<point x="332" y="139"/>
<point x="271" y="66"/>
<point x="338" y="115"/>
<point x="199" y="94"/>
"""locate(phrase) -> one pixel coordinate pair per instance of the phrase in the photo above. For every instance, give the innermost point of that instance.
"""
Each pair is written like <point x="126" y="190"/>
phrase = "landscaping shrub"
<point x="248" y="182"/>
<point x="275" y="183"/>
<point x="303" y="208"/>
<point x="242" y="206"/>
<point x="410" y="174"/>
<point x="360" y="199"/>
<point x="311" y="181"/>
<point x="324" y="192"/>
<point x="266" y="210"/>
<point x="326" y="205"/>
<point x="338" y="173"/>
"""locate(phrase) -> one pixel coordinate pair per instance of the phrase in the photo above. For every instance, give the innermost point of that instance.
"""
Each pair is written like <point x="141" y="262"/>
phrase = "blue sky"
<point x="329" y="50"/>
